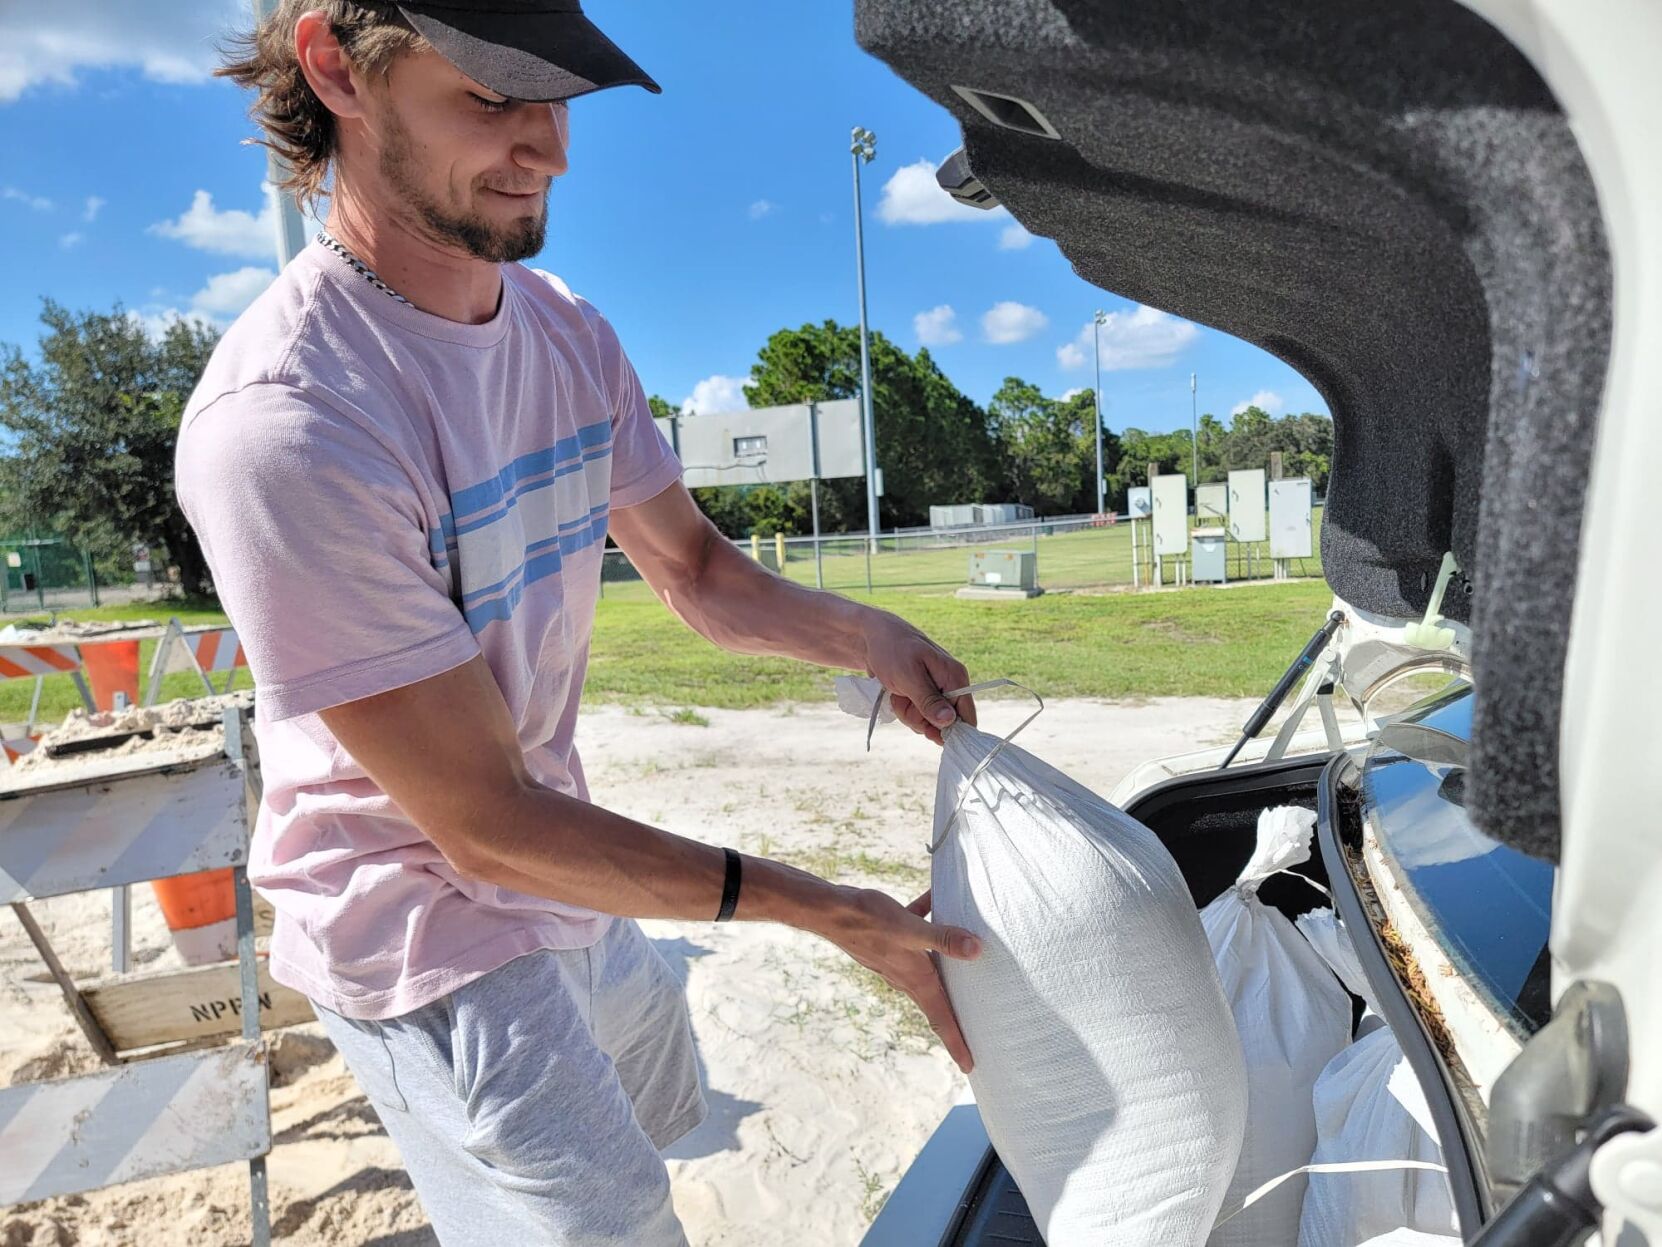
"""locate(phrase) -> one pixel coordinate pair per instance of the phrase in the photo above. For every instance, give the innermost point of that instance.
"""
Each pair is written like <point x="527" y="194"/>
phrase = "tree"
<point x="932" y="441"/>
<point x="1047" y="446"/>
<point x="94" y="427"/>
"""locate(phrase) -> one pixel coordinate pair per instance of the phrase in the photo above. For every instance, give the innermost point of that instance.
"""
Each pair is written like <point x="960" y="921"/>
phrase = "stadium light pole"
<point x="1097" y="321"/>
<point x="863" y="147"/>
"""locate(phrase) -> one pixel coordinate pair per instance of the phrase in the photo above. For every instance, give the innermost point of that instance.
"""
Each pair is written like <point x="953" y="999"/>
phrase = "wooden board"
<point x="143" y="1011"/>
<point x="146" y="826"/>
<point x="139" y="1121"/>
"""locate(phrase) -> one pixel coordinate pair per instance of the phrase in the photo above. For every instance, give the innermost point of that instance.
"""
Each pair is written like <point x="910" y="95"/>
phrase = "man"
<point x="403" y="461"/>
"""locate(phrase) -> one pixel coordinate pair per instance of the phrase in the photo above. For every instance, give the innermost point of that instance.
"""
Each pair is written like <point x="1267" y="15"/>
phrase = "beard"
<point x="478" y="236"/>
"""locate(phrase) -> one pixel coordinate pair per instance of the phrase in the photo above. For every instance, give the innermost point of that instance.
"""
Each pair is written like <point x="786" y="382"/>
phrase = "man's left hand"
<point x="917" y="674"/>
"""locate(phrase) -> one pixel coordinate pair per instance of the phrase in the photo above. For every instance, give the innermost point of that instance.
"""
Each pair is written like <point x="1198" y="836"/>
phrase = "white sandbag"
<point x="1369" y="1106"/>
<point x="1413" y="1238"/>
<point x="1293" y="1017"/>
<point x="1108" y="1071"/>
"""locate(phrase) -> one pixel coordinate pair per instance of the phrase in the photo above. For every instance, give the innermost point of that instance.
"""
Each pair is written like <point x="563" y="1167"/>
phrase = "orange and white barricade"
<point x="15" y="747"/>
<point x="206" y="652"/>
<point x="36" y="662"/>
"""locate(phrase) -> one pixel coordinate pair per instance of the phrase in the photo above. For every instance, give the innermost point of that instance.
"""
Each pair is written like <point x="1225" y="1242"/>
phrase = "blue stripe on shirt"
<point x="535" y="568"/>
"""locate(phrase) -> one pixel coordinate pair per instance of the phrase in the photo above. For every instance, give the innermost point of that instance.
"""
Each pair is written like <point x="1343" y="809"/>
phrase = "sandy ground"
<point x="822" y="1084"/>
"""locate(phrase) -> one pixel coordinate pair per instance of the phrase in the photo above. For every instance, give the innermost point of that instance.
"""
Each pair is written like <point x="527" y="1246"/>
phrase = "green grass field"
<point x="1090" y="558"/>
<point x="1198" y="642"/>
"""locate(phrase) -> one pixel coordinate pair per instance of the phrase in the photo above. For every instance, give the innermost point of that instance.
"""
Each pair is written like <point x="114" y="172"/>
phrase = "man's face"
<point x="461" y="164"/>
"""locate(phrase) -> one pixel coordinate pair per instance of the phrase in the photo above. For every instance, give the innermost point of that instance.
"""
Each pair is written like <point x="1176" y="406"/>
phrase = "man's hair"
<point x="297" y="125"/>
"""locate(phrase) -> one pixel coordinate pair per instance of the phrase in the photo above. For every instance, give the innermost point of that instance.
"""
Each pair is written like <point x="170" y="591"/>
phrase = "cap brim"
<point x="530" y="56"/>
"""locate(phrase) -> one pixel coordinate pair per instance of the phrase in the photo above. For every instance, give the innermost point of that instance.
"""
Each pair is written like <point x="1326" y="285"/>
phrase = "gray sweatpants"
<point x="530" y="1105"/>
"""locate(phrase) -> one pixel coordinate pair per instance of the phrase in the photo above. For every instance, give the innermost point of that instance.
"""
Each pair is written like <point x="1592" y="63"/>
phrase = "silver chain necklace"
<point x="364" y="271"/>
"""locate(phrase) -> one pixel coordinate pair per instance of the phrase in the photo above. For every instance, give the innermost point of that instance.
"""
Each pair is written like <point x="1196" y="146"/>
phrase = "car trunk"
<point x="1388" y="198"/>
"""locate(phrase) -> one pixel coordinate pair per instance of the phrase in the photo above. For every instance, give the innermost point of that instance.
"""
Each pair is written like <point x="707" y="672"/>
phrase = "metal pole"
<point x="1194" y="435"/>
<point x="291" y="226"/>
<point x="819" y="564"/>
<point x="40" y="585"/>
<point x="1096" y="341"/>
<point x="864" y="148"/>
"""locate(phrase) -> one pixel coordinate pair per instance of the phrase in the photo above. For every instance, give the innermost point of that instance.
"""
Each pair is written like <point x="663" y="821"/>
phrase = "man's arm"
<point x="739" y="605"/>
<point x="446" y="751"/>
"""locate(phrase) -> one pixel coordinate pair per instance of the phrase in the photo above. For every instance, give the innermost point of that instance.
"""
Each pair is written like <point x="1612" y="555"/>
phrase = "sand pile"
<point x="166" y="728"/>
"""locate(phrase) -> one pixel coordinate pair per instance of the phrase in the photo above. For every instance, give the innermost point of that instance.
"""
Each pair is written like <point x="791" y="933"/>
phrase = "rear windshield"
<point x="1488" y="906"/>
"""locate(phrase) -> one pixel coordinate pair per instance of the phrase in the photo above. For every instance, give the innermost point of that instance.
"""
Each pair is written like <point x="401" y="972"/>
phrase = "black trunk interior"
<point x="1388" y="198"/>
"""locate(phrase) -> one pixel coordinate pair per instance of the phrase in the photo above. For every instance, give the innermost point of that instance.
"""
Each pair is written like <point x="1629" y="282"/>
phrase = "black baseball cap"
<point x="536" y="50"/>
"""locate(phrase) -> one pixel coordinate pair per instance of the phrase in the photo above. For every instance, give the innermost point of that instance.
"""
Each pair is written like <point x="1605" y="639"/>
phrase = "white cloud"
<point x="913" y="197"/>
<point x="156" y="324"/>
<point x="227" y="294"/>
<point x="1142" y="338"/>
<point x="1267" y="400"/>
<point x="94" y="204"/>
<point x="1067" y="394"/>
<point x="1014" y="237"/>
<point x="761" y="208"/>
<point x="716" y="394"/>
<point x="217" y="304"/>
<point x="38" y="202"/>
<point x="1012" y="322"/>
<point x="48" y="43"/>
<point x="71" y="239"/>
<point x="232" y="232"/>
<point x="938" y="326"/>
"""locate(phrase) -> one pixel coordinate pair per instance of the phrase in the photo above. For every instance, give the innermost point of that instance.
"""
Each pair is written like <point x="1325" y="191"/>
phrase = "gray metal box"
<point x="1210" y="556"/>
<point x="1246" y="505"/>
<point x="1212" y="501"/>
<point x="1139" y="502"/>
<point x="1004" y="569"/>
<point x="1171" y="515"/>
<point x="1003" y="513"/>
<point x="1290" y="518"/>
<point x="952" y="517"/>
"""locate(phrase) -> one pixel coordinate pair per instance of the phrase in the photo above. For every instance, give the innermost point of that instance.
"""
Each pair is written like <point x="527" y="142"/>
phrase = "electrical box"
<point x="1171" y="515"/>
<point x="1210" y="559"/>
<point x="1212" y="501"/>
<point x="1246" y="505"/>
<point x="1290" y="519"/>
<point x="1139" y="502"/>
<point x="1004" y="569"/>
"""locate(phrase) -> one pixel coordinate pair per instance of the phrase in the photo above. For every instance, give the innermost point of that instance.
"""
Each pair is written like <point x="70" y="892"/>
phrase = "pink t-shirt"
<point x="383" y="494"/>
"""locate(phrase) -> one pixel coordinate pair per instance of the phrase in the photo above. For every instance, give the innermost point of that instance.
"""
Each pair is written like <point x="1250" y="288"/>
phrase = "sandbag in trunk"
<point x="1107" y="1067"/>
<point x="1369" y="1107"/>
<point x="1293" y="1017"/>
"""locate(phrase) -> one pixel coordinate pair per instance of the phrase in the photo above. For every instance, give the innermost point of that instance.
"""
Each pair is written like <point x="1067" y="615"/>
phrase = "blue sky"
<point x="699" y="221"/>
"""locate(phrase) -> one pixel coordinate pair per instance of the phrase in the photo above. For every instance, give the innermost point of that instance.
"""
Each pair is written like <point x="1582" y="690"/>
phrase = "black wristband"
<point x="730" y="889"/>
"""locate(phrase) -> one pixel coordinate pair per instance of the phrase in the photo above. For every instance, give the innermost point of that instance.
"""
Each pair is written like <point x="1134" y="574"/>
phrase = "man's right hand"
<point x="896" y="941"/>
<point x="446" y="751"/>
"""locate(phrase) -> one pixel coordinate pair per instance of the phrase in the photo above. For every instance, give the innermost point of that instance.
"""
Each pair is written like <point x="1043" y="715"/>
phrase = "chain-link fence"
<point x="1075" y="552"/>
<point x="51" y="573"/>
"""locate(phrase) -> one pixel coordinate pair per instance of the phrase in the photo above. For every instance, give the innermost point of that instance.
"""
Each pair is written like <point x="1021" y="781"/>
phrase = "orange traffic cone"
<point x="201" y="913"/>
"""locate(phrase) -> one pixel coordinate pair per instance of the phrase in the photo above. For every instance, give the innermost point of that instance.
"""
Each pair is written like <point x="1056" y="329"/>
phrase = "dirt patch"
<point x="1174" y="631"/>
